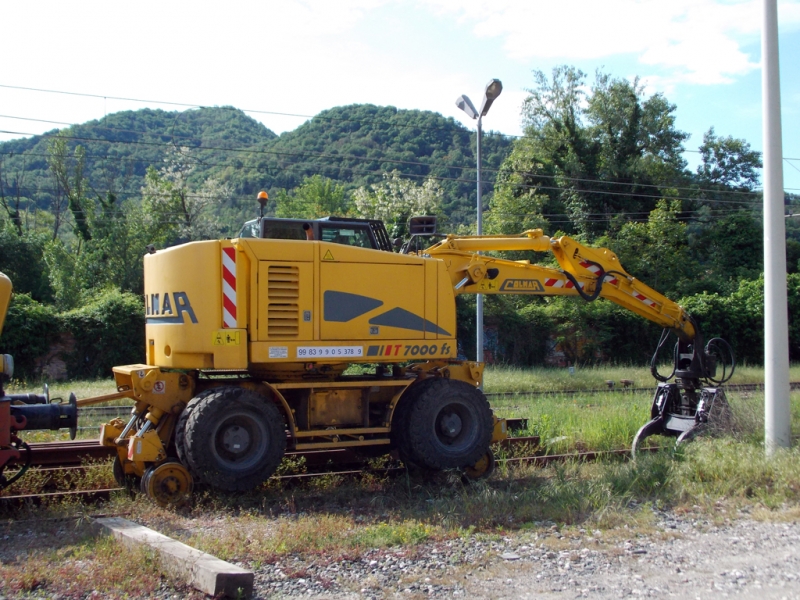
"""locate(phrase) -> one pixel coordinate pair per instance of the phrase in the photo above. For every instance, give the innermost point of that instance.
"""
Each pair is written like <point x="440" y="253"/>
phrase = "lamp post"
<point x="493" y="89"/>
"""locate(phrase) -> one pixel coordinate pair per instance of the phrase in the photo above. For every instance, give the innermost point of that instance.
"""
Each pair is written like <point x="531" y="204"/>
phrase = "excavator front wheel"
<point x="234" y="439"/>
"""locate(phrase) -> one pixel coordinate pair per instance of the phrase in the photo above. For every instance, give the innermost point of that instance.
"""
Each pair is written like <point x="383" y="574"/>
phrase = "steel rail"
<point x="739" y="387"/>
<point x="92" y="496"/>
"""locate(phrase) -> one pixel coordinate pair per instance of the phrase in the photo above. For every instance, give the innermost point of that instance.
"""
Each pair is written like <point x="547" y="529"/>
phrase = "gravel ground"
<point x="683" y="556"/>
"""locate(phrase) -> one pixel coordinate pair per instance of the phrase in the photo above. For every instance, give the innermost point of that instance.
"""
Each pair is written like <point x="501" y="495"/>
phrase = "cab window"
<point x="284" y="231"/>
<point x="347" y="236"/>
<point x="249" y="229"/>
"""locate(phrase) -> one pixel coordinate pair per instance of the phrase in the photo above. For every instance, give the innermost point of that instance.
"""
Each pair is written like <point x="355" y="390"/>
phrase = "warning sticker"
<point x="328" y="256"/>
<point x="159" y="387"/>
<point x="225" y="337"/>
<point x="278" y="352"/>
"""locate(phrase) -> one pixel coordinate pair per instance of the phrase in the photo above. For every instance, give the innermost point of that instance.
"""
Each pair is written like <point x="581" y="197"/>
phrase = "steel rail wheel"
<point x="449" y="425"/>
<point x="129" y="481"/>
<point x="234" y="439"/>
<point x="481" y="469"/>
<point x="168" y="484"/>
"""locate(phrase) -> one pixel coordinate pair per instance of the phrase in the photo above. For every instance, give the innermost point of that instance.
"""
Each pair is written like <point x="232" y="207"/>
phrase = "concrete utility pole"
<point x="777" y="414"/>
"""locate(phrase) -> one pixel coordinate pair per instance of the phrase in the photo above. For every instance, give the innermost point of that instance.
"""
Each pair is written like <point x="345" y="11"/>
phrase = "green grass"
<point x="542" y="379"/>
<point x="609" y="420"/>
<point x="344" y="517"/>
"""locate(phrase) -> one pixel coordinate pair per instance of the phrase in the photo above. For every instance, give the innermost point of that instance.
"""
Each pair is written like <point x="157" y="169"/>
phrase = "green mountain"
<point x="353" y="145"/>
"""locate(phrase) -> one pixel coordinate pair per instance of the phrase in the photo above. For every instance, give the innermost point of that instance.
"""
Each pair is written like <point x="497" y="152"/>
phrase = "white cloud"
<point x="699" y="41"/>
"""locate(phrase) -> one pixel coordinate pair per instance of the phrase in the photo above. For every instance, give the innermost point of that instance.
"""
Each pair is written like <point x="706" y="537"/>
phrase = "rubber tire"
<point x="429" y="446"/>
<point x="180" y="427"/>
<point x="400" y="433"/>
<point x="222" y="410"/>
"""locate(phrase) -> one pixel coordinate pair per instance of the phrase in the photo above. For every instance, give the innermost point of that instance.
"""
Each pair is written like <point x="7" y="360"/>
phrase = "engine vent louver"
<point x="283" y="312"/>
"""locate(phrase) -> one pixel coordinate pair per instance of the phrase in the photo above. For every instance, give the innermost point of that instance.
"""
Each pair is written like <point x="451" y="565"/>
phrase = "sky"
<point x="285" y="61"/>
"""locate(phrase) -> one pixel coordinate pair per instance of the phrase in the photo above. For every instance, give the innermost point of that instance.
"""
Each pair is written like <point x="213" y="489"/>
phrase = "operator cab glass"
<point x="275" y="230"/>
<point x="360" y="233"/>
<point x="249" y="229"/>
<point x="347" y="236"/>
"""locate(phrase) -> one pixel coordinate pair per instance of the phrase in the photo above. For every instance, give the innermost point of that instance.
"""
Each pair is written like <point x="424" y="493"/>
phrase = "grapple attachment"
<point x="685" y="413"/>
<point x="687" y="407"/>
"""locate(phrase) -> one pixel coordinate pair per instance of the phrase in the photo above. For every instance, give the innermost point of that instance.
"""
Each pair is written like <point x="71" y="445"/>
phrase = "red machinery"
<point x="25" y="412"/>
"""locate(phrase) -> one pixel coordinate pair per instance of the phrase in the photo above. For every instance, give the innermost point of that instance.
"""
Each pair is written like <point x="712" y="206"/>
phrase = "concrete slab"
<point x="203" y="571"/>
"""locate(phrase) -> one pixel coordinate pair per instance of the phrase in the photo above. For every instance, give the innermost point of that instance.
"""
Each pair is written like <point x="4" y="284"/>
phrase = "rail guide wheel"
<point x="129" y="481"/>
<point x="481" y="469"/>
<point x="168" y="484"/>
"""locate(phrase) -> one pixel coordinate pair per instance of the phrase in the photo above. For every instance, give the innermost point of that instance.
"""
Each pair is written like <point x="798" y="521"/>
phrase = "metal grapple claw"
<point x="684" y="413"/>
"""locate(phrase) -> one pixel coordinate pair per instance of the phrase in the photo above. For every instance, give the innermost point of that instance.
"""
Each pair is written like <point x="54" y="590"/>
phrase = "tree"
<point x="396" y="199"/>
<point x="185" y="208"/>
<point x="728" y="162"/>
<point x="21" y="258"/>
<point x="70" y="185"/>
<point x="12" y="203"/>
<point x="591" y="155"/>
<point x="657" y="252"/>
<point x="317" y="197"/>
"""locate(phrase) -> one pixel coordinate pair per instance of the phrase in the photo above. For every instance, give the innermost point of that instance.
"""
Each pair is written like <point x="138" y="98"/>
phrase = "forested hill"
<point x="356" y="144"/>
<point x="121" y="146"/>
<point x="353" y="145"/>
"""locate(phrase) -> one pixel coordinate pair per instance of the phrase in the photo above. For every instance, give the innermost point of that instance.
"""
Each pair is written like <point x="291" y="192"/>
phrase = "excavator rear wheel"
<point x="449" y="425"/>
<point x="234" y="439"/>
<point x="401" y="434"/>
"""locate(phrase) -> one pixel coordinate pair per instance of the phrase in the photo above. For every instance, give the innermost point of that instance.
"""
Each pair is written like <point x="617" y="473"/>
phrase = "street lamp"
<point x="493" y="89"/>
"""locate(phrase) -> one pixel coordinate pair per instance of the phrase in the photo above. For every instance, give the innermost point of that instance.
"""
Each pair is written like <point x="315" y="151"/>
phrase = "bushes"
<point x="107" y="331"/>
<point x="739" y="318"/>
<point x="597" y="332"/>
<point x="29" y="331"/>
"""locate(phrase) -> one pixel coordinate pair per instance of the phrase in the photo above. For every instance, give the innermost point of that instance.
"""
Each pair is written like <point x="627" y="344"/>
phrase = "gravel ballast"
<point x="681" y="556"/>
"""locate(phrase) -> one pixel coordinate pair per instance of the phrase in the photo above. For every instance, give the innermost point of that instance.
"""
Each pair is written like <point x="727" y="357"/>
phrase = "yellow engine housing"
<point x="286" y="310"/>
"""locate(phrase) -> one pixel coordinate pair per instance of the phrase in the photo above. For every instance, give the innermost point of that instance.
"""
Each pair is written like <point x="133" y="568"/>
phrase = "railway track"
<point x="740" y="387"/>
<point x="345" y="461"/>
<point x="336" y="469"/>
<point x="125" y="410"/>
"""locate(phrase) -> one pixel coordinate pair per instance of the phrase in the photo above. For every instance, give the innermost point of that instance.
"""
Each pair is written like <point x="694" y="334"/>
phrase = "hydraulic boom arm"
<point x="681" y="409"/>
<point x="586" y="272"/>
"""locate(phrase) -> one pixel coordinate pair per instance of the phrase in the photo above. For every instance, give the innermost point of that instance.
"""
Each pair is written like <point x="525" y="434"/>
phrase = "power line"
<point x="399" y="162"/>
<point x="252" y="111"/>
<point x="259" y="111"/>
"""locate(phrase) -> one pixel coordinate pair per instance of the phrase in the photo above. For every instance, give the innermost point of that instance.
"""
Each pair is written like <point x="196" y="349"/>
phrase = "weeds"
<point x="66" y="560"/>
<point x="333" y="517"/>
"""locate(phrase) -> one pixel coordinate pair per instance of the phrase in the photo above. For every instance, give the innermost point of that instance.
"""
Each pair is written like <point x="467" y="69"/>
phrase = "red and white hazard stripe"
<point x="559" y="283"/>
<point x="596" y="270"/>
<point x="229" y="287"/>
<point x="643" y="298"/>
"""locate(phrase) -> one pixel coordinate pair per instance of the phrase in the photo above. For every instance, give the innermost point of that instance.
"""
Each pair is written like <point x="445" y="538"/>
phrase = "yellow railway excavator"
<point x="249" y="341"/>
